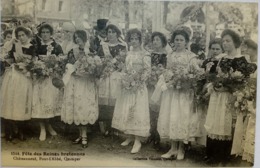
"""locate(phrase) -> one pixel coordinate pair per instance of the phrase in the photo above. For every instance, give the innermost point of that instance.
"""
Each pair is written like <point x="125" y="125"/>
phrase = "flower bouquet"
<point x="184" y="77"/>
<point x="88" y="66"/>
<point x="232" y="74"/>
<point x="242" y="99"/>
<point x="46" y="66"/>
<point x="24" y="63"/>
<point x="111" y="64"/>
<point x="133" y="81"/>
<point x="156" y="71"/>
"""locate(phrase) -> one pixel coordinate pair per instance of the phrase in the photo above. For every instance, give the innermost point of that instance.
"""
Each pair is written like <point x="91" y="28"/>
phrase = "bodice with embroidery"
<point x="114" y="50"/>
<point x="158" y="58"/>
<point x="185" y="59"/>
<point x="138" y="61"/>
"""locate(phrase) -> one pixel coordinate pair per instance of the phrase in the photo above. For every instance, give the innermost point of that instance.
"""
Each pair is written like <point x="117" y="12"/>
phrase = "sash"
<point x="238" y="136"/>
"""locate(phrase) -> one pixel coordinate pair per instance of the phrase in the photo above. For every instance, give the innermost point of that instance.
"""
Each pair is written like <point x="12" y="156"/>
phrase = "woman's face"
<point x="219" y="29"/>
<point x="22" y="37"/>
<point x="157" y="43"/>
<point x="180" y="42"/>
<point x="67" y="35"/>
<point x="78" y="40"/>
<point x="45" y="34"/>
<point x="134" y="41"/>
<point x="8" y="37"/>
<point x="111" y="34"/>
<point x="228" y="44"/>
<point x="215" y="50"/>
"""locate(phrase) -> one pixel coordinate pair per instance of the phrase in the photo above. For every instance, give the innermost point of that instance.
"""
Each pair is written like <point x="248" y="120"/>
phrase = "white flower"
<point x="133" y="83"/>
<point x="240" y="97"/>
<point x="122" y="53"/>
<point x="50" y="48"/>
<point x="236" y="104"/>
<point x="133" y="72"/>
<point x="97" y="60"/>
<point x="114" y="60"/>
<point x="153" y="73"/>
<point x="90" y="60"/>
<point x="190" y="76"/>
<point x="51" y="70"/>
<point x="28" y="74"/>
<point x="237" y="74"/>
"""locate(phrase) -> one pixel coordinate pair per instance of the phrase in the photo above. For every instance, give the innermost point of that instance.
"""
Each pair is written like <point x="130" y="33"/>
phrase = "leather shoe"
<point x="77" y="141"/>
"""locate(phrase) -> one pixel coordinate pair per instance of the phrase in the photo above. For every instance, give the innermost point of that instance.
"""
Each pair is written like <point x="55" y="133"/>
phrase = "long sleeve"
<point x="159" y="88"/>
<point x="147" y="67"/>
<point x="194" y="66"/>
<point x="58" y="50"/>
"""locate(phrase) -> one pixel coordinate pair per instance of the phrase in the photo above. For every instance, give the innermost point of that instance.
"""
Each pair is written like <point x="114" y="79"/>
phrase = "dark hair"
<point x="8" y="31"/>
<point x="131" y="32"/>
<point x="23" y="29"/>
<point x="113" y="27"/>
<point x="235" y="37"/>
<point x="180" y="32"/>
<point x="216" y="41"/>
<point x="81" y="34"/>
<point x="46" y="26"/>
<point x="251" y="44"/>
<point x="161" y="36"/>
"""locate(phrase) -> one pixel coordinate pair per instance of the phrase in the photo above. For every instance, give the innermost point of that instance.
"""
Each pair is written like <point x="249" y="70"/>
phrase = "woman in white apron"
<point x="16" y="90"/>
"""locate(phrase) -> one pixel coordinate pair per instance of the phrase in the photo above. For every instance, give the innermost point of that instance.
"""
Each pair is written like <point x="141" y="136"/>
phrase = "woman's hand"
<point x="169" y="84"/>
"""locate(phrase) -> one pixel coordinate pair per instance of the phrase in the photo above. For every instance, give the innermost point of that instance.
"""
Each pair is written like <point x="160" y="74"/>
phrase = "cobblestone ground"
<point x="102" y="151"/>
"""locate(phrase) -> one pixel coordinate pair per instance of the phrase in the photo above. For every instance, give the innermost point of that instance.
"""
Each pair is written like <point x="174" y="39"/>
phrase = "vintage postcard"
<point x="133" y="83"/>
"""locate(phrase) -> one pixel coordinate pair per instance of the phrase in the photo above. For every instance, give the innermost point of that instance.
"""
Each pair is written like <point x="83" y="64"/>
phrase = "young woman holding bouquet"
<point x="178" y="121"/>
<point x="231" y="66"/>
<point x="45" y="95"/>
<point x="131" y="115"/>
<point x="16" y="90"/>
<point x="112" y="53"/>
<point x="209" y="65"/>
<point x="158" y="62"/>
<point x="80" y="102"/>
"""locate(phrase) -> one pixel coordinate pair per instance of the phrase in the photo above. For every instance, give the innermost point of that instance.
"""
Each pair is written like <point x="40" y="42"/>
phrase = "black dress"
<point x="113" y="49"/>
<point x="156" y="59"/>
<point x="42" y="49"/>
<point x="106" y="95"/>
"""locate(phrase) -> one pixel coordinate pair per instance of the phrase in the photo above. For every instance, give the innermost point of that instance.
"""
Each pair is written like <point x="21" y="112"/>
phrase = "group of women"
<point x="163" y="109"/>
